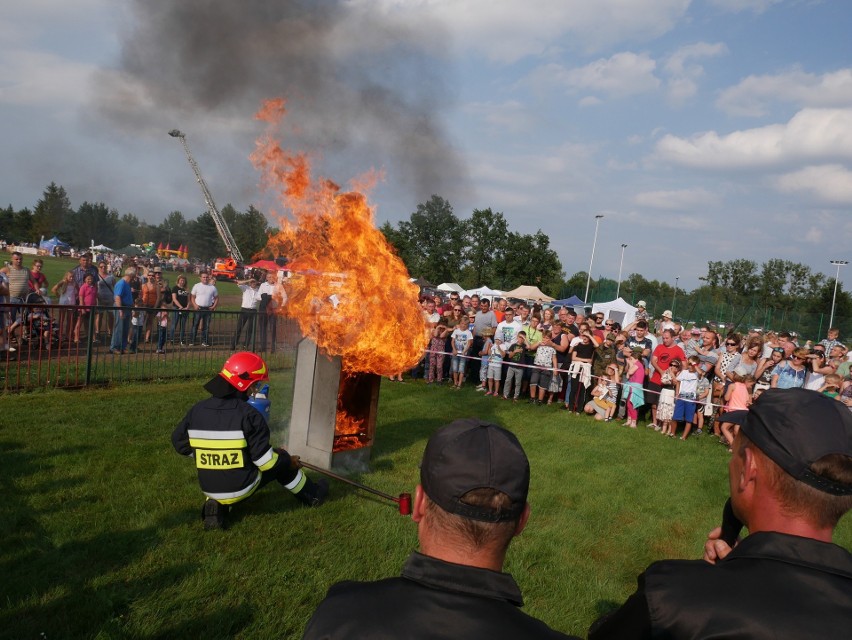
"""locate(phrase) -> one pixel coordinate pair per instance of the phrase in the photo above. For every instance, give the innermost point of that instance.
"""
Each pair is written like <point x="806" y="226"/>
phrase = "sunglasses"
<point x="731" y="344"/>
<point x="778" y="350"/>
<point x="457" y="309"/>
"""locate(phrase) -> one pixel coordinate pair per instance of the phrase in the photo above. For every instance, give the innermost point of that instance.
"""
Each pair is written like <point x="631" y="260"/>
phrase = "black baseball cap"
<point x="797" y="427"/>
<point x="472" y="454"/>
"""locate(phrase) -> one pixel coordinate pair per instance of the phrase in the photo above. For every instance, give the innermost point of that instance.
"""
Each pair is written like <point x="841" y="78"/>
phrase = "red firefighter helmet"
<point x="243" y="369"/>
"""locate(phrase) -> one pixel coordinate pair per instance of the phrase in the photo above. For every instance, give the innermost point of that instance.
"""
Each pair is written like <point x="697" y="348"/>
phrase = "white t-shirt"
<point x="204" y="294"/>
<point x="506" y="332"/>
<point x="460" y="339"/>
<point x="688" y="384"/>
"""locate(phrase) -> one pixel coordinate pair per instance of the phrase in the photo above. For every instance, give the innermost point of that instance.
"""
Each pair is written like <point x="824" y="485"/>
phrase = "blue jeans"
<point x="179" y="318"/>
<point x="201" y="316"/>
<point x="162" y="332"/>
<point x="120" y="330"/>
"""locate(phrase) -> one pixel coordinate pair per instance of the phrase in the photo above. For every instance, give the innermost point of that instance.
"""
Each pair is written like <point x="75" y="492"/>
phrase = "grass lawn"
<point x="102" y="535"/>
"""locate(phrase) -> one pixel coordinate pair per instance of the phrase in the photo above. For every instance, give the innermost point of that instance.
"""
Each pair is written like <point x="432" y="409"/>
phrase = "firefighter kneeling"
<point x="229" y="440"/>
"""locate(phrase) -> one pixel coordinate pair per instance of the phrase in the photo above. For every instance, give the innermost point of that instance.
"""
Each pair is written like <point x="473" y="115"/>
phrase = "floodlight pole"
<point x="620" y="267"/>
<point x="592" y="261"/>
<point x="838" y="264"/>
<point x="674" y="295"/>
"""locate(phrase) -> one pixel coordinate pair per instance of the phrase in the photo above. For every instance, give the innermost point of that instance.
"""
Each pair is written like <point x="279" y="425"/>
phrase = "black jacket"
<point x="770" y="586"/>
<point x="433" y="599"/>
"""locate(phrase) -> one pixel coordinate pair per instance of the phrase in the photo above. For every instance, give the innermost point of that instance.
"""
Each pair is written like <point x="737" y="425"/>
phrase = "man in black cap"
<point x="229" y="440"/>
<point x="791" y="482"/>
<point x="470" y="503"/>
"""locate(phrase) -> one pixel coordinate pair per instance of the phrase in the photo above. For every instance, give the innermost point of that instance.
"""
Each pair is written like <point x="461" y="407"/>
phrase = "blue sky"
<point x="701" y="130"/>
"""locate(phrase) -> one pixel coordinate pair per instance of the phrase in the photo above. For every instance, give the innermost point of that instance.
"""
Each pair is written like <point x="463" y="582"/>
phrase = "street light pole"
<point x="838" y="264"/>
<point x="620" y="267"/>
<point x="674" y="295"/>
<point x="592" y="261"/>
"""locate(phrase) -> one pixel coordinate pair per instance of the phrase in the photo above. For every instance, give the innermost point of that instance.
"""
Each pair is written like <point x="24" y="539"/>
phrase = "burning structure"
<point x="351" y="297"/>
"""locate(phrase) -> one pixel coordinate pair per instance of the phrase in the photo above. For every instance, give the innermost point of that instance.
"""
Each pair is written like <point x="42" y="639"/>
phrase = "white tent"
<point x="483" y="292"/>
<point x="528" y="292"/>
<point x="100" y="247"/>
<point x="450" y="286"/>
<point x="617" y="310"/>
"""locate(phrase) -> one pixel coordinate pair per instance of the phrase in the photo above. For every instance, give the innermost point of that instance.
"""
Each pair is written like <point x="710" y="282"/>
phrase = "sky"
<point x="700" y="129"/>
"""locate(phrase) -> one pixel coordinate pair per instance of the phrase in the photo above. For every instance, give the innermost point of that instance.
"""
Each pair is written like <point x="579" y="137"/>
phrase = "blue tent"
<point x="50" y="245"/>
<point x="573" y="301"/>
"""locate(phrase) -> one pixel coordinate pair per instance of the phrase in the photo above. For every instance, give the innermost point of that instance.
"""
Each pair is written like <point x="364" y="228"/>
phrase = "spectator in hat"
<point x="470" y="503"/>
<point x="641" y="313"/>
<point x="790" y="485"/>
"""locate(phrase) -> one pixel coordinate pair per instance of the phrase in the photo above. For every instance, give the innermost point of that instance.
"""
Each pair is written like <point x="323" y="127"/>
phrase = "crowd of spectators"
<point x="676" y="379"/>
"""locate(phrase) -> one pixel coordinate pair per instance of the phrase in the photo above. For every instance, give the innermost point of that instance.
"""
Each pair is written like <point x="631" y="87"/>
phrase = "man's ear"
<point x="748" y="469"/>
<point x="522" y="521"/>
<point x="419" y="506"/>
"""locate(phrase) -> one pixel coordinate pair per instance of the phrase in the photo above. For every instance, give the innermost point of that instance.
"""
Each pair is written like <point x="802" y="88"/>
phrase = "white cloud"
<point x="684" y="73"/>
<point x="676" y="200"/>
<point x="752" y="95"/>
<point x="30" y="78"/>
<point x="623" y="74"/>
<point x="811" y="135"/>
<point x="737" y="6"/>
<point x="509" y="30"/>
<point x="512" y="116"/>
<point x="830" y="183"/>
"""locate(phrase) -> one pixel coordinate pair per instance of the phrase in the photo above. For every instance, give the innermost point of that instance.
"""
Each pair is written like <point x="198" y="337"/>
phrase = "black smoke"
<point x="362" y="89"/>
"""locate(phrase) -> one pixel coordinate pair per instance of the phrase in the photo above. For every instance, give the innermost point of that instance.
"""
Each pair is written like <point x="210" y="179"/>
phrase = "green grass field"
<point x="102" y="535"/>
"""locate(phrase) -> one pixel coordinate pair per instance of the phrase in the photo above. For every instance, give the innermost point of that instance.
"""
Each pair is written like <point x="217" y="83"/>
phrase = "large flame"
<point x="351" y="293"/>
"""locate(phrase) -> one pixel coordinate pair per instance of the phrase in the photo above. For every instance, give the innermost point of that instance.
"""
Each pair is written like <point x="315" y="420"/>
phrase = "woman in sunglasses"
<point x="791" y="373"/>
<point x="763" y="374"/>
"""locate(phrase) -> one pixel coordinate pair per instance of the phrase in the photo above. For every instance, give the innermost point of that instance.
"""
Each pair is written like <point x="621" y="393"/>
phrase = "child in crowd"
<point x="738" y="397"/>
<point x="495" y="370"/>
<point x="162" y="327"/>
<point x="461" y="339"/>
<point x="87" y="298"/>
<point x="603" y="396"/>
<point x="831" y="386"/>
<point x="515" y="355"/>
<point x="704" y="395"/>
<point x="686" y="388"/>
<point x="435" y="360"/>
<point x="484" y="354"/>
<point x="137" y="325"/>
<point x="666" y="403"/>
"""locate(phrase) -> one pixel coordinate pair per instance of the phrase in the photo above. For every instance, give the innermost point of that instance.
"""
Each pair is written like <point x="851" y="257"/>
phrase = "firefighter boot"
<point x="313" y="493"/>
<point x="213" y="514"/>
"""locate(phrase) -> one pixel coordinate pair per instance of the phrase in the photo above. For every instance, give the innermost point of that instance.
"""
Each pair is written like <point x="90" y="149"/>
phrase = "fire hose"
<point x="403" y="501"/>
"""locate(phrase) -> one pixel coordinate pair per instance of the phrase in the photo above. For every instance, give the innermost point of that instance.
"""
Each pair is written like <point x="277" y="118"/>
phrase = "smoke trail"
<point x="360" y="86"/>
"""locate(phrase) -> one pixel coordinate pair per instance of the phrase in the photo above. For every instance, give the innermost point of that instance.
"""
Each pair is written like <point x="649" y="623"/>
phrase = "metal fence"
<point x="49" y="350"/>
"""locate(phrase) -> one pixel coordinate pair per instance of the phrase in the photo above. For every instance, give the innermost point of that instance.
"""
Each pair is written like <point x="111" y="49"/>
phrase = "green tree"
<point x="22" y="225"/>
<point x="7" y="223"/>
<point x="434" y="241"/>
<point x="251" y="232"/>
<point x="528" y="259"/>
<point x="205" y="243"/>
<point x="94" y="221"/>
<point x="126" y="230"/>
<point x="486" y="236"/>
<point x="50" y="211"/>
<point x="174" y="230"/>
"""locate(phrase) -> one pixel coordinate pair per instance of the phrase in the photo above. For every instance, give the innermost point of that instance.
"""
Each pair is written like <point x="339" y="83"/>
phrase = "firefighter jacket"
<point x="771" y="585"/>
<point x="230" y="442"/>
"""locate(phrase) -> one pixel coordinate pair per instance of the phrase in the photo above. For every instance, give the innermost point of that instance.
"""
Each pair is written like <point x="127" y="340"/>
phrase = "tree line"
<point x="54" y="215"/>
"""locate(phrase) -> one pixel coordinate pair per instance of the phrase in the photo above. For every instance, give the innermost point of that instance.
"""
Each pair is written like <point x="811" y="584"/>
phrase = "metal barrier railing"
<point x="70" y="346"/>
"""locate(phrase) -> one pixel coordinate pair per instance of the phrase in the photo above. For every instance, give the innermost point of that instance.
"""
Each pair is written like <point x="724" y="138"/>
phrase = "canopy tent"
<point x="423" y="283"/>
<point x="100" y="247"/>
<point x="483" y="292"/>
<point x="617" y="310"/>
<point x="267" y="265"/>
<point x="131" y="250"/>
<point x="528" y="292"/>
<point x="573" y="301"/>
<point x="450" y="286"/>
<point x="50" y="245"/>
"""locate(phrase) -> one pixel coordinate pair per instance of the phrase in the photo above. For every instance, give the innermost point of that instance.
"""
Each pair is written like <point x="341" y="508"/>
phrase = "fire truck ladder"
<point x="221" y="225"/>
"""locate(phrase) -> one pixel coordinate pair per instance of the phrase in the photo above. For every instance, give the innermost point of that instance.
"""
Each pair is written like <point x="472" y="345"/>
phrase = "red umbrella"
<point x="268" y="265"/>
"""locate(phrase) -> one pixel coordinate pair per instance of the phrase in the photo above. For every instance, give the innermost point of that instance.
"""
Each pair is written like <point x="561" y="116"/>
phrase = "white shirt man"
<point x="507" y="330"/>
<point x="203" y="294"/>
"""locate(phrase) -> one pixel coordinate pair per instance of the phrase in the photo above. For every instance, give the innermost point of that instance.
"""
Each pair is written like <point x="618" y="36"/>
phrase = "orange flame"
<point x="351" y="293"/>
